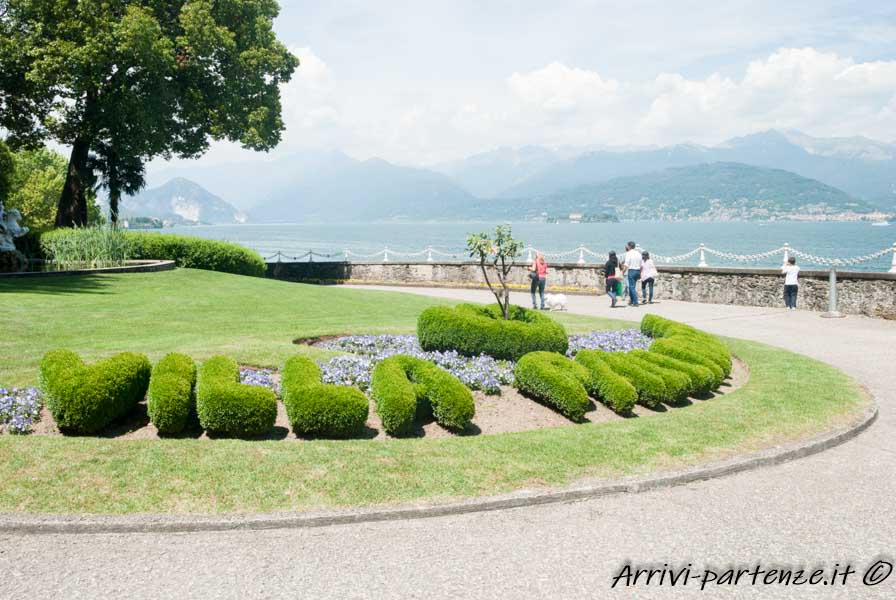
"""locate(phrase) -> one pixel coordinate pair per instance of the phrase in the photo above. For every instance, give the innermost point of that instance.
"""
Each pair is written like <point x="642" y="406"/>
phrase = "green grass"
<point x="787" y="396"/>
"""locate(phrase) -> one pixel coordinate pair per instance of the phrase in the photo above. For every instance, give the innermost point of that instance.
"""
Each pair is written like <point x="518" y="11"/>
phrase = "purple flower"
<point x="19" y="409"/>
<point x="621" y="340"/>
<point x="262" y="377"/>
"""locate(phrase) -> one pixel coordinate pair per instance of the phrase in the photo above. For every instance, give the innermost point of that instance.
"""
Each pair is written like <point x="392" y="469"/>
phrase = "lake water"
<point x="831" y="240"/>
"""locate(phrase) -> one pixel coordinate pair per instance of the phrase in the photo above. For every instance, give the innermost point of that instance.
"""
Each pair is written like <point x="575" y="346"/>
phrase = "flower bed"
<point x="19" y="409"/>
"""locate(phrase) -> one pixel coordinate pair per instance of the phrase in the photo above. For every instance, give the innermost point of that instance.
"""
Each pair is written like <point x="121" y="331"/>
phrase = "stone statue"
<point x="10" y="228"/>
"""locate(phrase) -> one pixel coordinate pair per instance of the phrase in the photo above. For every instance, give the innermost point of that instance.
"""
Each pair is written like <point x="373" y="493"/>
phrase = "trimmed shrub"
<point x="472" y="330"/>
<point x="171" y="399"/>
<point x="227" y="407"/>
<point x="315" y="408"/>
<point x="702" y="379"/>
<point x="683" y="349"/>
<point x="658" y="327"/>
<point x="401" y="385"/>
<point x="197" y="253"/>
<point x="604" y="383"/>
<point x="86" y="398"/>
<point x="652" y="390"/>
<point x="555" y="380"/>
<point x="678" y="385"/>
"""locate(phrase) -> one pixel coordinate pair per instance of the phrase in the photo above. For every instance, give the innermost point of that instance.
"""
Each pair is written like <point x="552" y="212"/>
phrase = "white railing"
<point x="386" y="255"/>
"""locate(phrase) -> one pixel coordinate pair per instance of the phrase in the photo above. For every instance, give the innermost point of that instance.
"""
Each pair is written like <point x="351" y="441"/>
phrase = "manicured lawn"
<point x="199" y="313"/>
<point x="787" y="396"/>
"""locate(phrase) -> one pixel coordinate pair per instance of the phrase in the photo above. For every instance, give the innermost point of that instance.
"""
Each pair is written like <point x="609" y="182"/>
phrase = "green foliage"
<point x="555" y="380"/>
<point x="684" y="350"/>
<point x="472" y="330"/>
<point x="498" y="250"/>
<point x="657" y="327"/>
<point x="402" y="385"/>
<point x="652" y="390"/>
<point x="86" y="398"/>
<point x="197" y="253"/>
<point x="702" y="378"/>
<point x="319" y="409"/>
<point x="7" y="173"/>
<point x="604" y="383"/>
<point x="97" y="246"/>
<point x="227" y="407"/>
<point x="171" y="399"/>
<point x="197" y="70"/>
<point x="678" y="385"/>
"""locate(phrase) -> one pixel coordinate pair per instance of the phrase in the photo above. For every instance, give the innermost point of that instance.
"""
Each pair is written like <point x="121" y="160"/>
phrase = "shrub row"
<point x="556" y="380"/>
<point x="227" y="407"/>
<point x="402" y="385"/>
<point x="86" y="398"/>
<point x="610" y="387"/>
<point x="171" y="399"/>
<point x="651" y="388"/>
<point x="658" y="327"/>
<point x="702" y="380"/>
<point x="185" y="251"/>
<point x="472" y="330"/>
<point x="315" y="408"/>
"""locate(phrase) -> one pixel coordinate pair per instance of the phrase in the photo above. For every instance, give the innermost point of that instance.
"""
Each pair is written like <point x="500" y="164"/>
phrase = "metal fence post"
<point x="832" y="313"/>
<point x="429" y="254"/>
<point x="893" y="267"/>
<point x="786" y="252"/>
<point x="386" y="254"/>
<point x="581" y="255"/>
<point x="702" y="262"/>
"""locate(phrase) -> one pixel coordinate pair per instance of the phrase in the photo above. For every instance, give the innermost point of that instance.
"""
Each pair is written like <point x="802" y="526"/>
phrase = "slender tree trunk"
<point x="72" y="207"/>
<point x="114" y="196"/>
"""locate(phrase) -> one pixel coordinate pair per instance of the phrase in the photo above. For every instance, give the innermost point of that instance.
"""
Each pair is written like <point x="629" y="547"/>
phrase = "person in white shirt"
<point x="791" y="285"/>
<point x="648" y="274"/>
<point x="632" y="267"/>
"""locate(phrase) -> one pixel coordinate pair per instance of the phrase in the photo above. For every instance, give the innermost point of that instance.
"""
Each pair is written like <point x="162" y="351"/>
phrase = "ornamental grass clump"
<point x="555" y="380"/>
<point x="227" y="407"/>
<point x="405" y="386"/>
<point x="171" y="399"/>
<point x="320" y="409"/>
<point x="86" y="398"/>
<point x="99" y="246"/>
<point x="604" y="383"/>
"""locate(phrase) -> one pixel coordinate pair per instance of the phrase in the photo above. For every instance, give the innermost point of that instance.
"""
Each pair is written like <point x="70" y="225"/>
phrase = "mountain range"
<point x="180" y="201"/>
<point x="841" y="174"/>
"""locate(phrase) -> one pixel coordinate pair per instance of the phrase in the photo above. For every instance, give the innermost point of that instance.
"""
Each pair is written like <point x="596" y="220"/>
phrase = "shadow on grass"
<point x="80" y="284"/>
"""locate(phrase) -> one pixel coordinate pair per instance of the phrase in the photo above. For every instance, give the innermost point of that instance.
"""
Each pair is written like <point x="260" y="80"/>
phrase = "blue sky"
<point x="424" y="82"/>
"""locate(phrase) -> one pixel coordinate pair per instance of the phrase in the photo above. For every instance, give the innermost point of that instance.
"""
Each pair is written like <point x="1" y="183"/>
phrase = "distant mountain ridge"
<point x="180" y="201"/>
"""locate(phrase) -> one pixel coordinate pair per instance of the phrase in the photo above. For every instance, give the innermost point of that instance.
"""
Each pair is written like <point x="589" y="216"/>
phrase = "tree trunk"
<point x="114" y="196"/>
<point x="72" y="207"/>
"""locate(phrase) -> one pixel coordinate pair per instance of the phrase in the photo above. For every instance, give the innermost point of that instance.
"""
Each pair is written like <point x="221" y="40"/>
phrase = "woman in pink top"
<point x="538" y="273"/>
<point x="648" y="274"/>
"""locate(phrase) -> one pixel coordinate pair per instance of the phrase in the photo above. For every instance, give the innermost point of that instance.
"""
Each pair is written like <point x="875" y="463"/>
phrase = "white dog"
<point x="555" y="301"/>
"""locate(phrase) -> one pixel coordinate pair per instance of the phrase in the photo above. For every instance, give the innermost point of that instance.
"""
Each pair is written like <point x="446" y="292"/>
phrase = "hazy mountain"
<point x="863" y="168"/>
<point x="716" y="191"/>
<point x="366" y="190"/>
<point x="182" y="201"/>
<point x="489" y="173"/>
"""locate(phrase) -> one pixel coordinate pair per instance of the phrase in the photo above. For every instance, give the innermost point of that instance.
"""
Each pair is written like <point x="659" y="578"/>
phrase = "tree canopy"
<point x="124" y="81"/>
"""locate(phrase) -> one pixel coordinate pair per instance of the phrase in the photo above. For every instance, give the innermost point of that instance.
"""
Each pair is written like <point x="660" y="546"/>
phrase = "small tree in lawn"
<point x="497" y="250"/>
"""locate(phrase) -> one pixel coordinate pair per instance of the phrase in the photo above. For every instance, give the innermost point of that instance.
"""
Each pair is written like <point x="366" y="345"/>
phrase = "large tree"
<point x="123" y="81"/>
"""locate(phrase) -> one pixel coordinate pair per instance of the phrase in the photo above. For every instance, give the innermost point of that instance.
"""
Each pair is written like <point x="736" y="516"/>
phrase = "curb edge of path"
<point x="165" y="523"/>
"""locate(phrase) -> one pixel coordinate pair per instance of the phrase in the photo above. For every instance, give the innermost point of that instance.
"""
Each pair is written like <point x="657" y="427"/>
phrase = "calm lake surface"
<point x="832" y="240"/>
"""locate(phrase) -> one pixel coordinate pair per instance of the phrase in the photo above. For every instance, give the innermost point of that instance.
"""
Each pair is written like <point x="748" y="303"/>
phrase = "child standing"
<point x="648" y="274"/>
<point x="791" y="285"/>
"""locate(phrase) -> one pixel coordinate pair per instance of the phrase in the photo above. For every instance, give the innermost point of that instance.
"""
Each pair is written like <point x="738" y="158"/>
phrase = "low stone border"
<point x="130" y="266"/>
<point x="80" y="524"/>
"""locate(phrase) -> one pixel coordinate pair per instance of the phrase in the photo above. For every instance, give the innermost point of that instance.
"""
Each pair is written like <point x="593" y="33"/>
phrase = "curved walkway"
<point x="834" y="507"/>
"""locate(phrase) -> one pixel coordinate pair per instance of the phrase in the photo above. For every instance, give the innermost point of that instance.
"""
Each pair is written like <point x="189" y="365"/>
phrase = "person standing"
<point x="632" y="268"/>
<point x="610" y="268"/>
<point x="648" y="275"/>
<point x="538" y="273"/>
<point x="791" y="285"/>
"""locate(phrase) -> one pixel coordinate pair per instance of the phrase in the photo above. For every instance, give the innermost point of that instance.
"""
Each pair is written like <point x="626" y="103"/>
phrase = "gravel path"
<point x="835" y="507"/>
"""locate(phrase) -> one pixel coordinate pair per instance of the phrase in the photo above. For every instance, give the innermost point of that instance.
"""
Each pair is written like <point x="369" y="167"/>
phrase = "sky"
<point x="421" y="82"/>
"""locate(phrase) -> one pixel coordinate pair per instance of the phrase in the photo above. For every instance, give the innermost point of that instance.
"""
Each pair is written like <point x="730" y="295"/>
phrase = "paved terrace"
<point x="837" y="506"/>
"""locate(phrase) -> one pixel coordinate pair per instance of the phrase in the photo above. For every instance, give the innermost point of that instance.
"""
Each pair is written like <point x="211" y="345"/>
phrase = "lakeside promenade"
<point x="836" y="506"/>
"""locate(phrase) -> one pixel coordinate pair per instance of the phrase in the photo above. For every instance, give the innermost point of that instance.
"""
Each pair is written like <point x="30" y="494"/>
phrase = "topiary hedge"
<point x="171" y="399"/>
<point x="227" y="407"/>
<point x="197" y="253"/>
<point x="652" y="390"/>
<point x="319" y="409"/>
<point x="702" y="378"/>
<point x="683" y="349"/>
<point x="658" y="327"/>
<point x="612" y="389"/>
<point x="401" y="385"/>
<point x="678" y="385"/>
<point x="86" y="398"/>
<point x="472" y="330"/>
<point x="555" y="380"/>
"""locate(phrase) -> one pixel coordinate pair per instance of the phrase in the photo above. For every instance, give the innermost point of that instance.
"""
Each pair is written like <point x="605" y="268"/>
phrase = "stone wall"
<point x="871" y="294"/>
